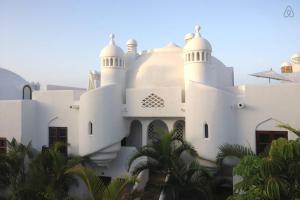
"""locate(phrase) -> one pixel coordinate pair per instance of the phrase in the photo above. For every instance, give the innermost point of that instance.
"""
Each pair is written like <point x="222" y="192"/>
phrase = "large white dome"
<point x="163" y="67"/>
<point x="11" y="85"/>
<point x="112" y="50"/>
<point x="197" y="42"/>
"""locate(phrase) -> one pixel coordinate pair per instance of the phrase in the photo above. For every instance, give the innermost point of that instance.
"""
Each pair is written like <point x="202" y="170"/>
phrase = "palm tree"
<point x="273" y="175"/>
<point x="175" y="160"/>
<point x="13" y="168"/>
<point x="118" y="189"/>
<point x="47" y="177"/>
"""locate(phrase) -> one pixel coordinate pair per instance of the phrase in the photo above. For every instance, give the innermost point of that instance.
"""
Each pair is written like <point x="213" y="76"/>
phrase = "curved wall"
<point x="102" y="107"/>
<point x="212" y="106"/>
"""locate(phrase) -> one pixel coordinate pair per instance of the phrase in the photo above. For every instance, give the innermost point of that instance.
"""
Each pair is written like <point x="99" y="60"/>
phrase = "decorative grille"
<point x="153" y="101"/>
<point x="150" y="131"/>
<point x="179" y="129"/>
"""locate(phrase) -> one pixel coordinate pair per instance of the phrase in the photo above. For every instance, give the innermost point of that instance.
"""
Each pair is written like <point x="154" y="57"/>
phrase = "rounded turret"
<point x="197" y="49"/>
<point x="295" y="60"/>
<point x="113" y="65"/>
<point x="131" y="45"/>
<point x="197" y="58"/>
<point x="112" y="55"/>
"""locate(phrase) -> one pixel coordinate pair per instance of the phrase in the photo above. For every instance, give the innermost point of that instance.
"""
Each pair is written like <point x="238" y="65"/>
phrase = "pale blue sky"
<point x="58" y="41"/>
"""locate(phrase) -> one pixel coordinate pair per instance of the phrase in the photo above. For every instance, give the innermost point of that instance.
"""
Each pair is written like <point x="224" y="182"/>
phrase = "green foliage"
<point x="116" y="190"/>
<point x="47" y="174"/>
<point x="13" y="168"/>
<point x="275" y="175"/>
<point x="235" y="150"/>
<point x="42" y="177"/>
<point x="165" y="155"/>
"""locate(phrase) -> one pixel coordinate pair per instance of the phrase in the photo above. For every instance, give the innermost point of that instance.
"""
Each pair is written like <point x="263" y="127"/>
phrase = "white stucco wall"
<point x="53" y="109"/>
<point x="268" y="105"/>
<point x="102" y="107"/>
<point x="17" y="121"/>
<point x="10" y="119"/>
<point x="212" y="106"/>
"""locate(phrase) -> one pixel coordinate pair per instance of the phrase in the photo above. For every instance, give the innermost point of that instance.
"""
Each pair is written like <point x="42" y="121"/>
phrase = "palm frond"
<point x="289" y="128"/>
<point x="94" y="185"/>
<point x="147" y="164"/>
<point x="117" y="189"/>
<point x="235" y="150"/>
<point x="146" y="151"/>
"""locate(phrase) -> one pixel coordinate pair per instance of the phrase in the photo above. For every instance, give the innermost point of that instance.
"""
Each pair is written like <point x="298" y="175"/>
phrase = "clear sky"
<point x="58" y="41"/>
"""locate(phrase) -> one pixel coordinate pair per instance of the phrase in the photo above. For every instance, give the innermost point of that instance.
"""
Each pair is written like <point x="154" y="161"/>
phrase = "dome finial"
<point x="112" y="38"/>
<point x="197" y="30"/>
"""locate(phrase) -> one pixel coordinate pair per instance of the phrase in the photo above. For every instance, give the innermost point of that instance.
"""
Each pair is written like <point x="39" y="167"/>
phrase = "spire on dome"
<point x="197" y="30"/>
<point x="112" y="38"/>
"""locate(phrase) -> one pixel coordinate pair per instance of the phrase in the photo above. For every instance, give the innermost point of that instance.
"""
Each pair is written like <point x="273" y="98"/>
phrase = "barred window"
<point x="179" y="127"/>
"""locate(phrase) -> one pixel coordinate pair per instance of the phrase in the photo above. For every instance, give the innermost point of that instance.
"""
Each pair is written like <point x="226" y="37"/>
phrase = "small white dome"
<point x="172" y="45"/>
<point x="132" y="42"/>
<point x="197" y="42"/>
<point x="296" y="58"/>
<point x="112" y="50"/>
<point x="286" y="64"/>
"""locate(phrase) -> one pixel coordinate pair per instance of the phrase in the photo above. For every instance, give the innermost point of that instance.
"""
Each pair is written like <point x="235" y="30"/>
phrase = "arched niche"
<point x="135" y="137"/>
<point x="156" y="126"/>
<point x="27" y="92"/>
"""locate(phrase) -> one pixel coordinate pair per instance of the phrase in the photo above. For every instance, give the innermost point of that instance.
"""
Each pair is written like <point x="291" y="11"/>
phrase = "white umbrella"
<point x="270" y="74"/>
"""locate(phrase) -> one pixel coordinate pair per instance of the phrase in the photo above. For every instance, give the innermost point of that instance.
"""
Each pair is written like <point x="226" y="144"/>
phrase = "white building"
<point x="136" y="93"/>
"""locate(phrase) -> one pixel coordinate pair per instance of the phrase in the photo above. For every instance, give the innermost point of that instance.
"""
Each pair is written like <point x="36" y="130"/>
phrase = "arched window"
<point x="207" y="56"/>
<point x="91" y="128"/>
<point x="179" y="127"/>
<point x="205" y="130"/>
<point x="202" y="56"/>
<point x="107" y="63"/>
<point x="111" y="62"/>
<point x="198" y="56"/>
<point x="189" y="57"/>
<point x="193" y="56"/>
<point x="27" y="92"/>
<point x="116" y="62"/>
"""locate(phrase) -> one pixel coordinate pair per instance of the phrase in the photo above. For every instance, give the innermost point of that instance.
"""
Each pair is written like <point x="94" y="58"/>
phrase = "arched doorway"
<point x="135" y="135"/>
<point x="179" y="128"/>
<point x="156" y="126"/>
<point x="267" y="131"/>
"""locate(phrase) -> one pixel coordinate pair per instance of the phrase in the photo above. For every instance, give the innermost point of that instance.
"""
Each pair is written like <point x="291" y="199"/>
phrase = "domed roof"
<point x="286" y="64"/>
<point x="112" y="50"/>
<point x="11" y="85"/>
<point x="296" y="58"/>
<point x="172" y="45"/>
<point x="197" y="42"/>
<point x="131" y="42"/>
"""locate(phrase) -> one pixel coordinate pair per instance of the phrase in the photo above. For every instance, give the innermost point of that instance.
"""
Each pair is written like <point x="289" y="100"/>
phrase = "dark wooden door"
<point x="59" y="134"/>
<point x="265" y="138"/>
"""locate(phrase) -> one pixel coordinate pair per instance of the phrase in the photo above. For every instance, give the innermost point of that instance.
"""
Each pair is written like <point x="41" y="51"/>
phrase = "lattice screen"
<point x="153" y="101"/>
<point x="180" y="129"/>
<point x="150" y="131"/>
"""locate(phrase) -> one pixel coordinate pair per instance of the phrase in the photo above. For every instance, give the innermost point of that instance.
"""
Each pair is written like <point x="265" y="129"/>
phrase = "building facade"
<point x="136" y="94"/>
